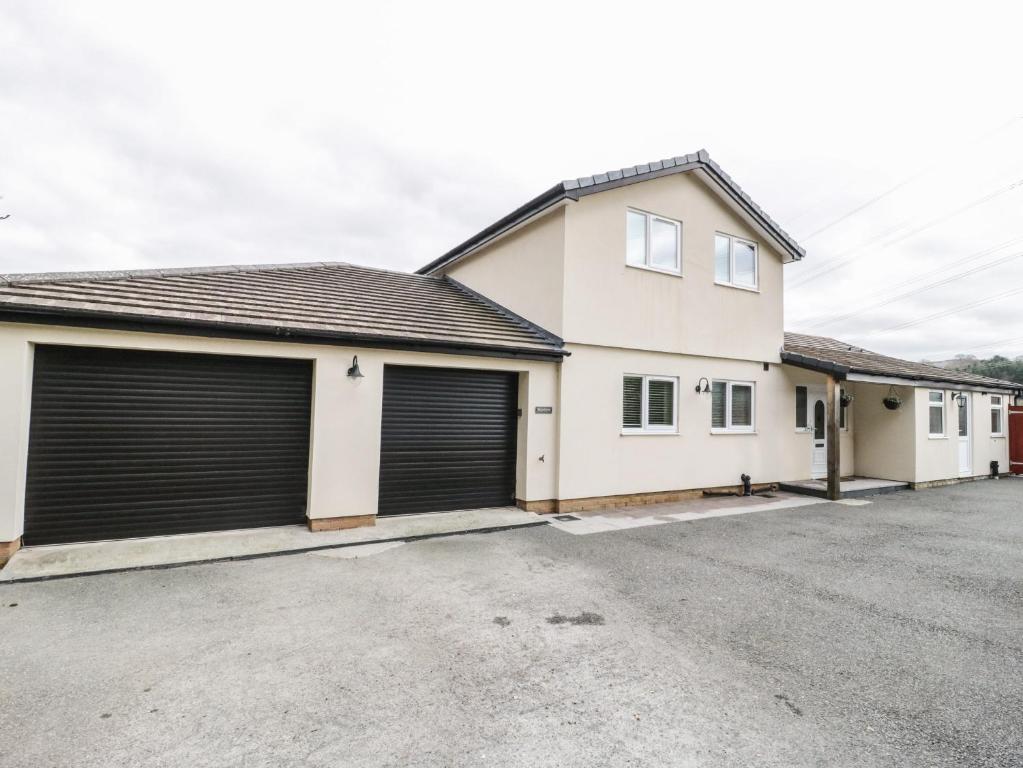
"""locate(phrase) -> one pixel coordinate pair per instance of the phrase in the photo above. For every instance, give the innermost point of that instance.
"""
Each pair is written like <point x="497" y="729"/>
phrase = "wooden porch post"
<point x="833" y="442"/>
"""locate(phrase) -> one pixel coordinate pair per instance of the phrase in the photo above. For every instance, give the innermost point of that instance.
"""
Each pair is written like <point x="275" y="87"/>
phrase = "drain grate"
<point x="565" y="518"/>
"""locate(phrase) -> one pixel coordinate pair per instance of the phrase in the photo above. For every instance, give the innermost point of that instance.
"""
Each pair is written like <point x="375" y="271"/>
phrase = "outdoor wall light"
<point x="703" y="385"/>
<point x="960" y="400"/>
<point x="354" y="371"/>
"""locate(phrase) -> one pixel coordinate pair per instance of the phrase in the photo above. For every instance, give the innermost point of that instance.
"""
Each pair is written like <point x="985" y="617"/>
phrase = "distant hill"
<point x="997" y="367"/>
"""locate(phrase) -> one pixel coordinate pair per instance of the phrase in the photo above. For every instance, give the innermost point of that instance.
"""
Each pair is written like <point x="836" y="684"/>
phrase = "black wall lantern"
<point x="703" y="385"/>
<point x="960" y="399"/>
<point x="354" y="371"/>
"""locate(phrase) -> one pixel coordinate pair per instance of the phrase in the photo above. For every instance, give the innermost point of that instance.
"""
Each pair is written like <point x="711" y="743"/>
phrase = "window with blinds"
<point x="632" y="402"/>
<point x="719" y="402"/>
<point x="649" y="403"/>
<point x="732" y="406"/>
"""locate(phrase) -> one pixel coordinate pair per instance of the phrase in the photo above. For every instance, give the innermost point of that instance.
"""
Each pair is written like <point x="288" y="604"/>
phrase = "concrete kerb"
<point x="280" y="553"/>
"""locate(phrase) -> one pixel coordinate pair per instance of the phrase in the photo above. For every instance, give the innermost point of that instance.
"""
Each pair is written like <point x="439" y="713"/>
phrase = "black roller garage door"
<point x="447" y="440"/>
<point x="128" y="443"/>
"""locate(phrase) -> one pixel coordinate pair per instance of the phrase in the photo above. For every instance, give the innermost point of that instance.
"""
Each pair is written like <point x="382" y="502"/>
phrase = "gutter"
<point x="845" y="372"/>
<point x="840" y="372"/>
<point x="924" y="381"/>
<point x="148" y="324"/>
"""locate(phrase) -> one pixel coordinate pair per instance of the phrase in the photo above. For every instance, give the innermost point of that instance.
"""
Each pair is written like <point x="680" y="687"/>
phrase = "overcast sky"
<point x="183" y="134"/>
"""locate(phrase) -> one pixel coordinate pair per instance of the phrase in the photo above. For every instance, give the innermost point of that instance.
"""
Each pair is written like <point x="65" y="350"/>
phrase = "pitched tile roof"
<point x="847" y="358"/>
<point x="573" y="189"/>
<point x="315" y="301"/>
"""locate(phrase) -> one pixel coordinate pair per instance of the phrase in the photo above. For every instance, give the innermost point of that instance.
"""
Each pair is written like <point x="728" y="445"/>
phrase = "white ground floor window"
<point x="936" y="414"/>
<point x="997" y="417"/>
<point x="733" y="406"/>
<point x="649" y="404"/>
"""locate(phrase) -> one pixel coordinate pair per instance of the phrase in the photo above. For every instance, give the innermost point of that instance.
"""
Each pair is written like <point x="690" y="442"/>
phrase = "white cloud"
<point x="143" y="134"/>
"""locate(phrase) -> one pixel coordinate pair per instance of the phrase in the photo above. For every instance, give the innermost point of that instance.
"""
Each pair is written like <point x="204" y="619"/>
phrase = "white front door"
<point x="819" y="451"/>
<point x="965" y="447"/>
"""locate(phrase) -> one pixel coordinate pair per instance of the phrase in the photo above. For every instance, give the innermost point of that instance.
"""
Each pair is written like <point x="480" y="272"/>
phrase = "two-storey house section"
<point x="665" y="282"/>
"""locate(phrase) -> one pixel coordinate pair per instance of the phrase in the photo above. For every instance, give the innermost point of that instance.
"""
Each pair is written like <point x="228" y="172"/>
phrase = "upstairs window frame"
<point x="731" y="281"/>
<point x="647" y="262"/>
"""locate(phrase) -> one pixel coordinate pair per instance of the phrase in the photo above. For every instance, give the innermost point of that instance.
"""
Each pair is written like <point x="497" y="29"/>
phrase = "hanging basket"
<point x="892" y="401"/>
<point x="846" y="400"/>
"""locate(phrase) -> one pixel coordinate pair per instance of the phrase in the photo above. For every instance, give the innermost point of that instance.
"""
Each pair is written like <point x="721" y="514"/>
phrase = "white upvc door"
<point x="819" y="430"/>
<point x="965" y="442"/>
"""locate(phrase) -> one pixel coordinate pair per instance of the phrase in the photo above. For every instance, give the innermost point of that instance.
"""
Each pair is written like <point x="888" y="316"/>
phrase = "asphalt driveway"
<point x="831" y="635"/>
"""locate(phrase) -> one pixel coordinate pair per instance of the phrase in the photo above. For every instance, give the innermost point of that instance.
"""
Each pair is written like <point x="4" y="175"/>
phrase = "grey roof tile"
<point x="322" y="298"/>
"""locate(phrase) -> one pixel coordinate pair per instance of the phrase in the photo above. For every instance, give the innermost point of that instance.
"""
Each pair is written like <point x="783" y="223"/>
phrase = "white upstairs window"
<point x="653" y="242"/>
<point x="735" y="261"/>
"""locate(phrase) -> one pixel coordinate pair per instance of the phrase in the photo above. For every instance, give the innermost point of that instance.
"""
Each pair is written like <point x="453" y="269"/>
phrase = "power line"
<point x="916" y="278"/>
<point x="956" y="262"/>
<point x="915" y="291"/>
<point x="1003" y="343"/>
<point x="946" y="313"/>
<point x="844" y="257"/>
<point x="909" y="180"/>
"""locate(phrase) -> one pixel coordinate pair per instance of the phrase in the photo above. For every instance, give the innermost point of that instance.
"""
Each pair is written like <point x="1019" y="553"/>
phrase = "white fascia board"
<point x="925" y="384"/>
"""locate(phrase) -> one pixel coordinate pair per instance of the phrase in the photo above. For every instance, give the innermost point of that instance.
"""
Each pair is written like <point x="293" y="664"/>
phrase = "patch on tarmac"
<point x="853" y="502"/>
<point x="586" y="618"/>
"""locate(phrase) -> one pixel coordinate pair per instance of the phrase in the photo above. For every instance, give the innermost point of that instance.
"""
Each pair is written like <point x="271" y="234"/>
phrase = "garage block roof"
<point x="321" y="301"/>
<point x="843" y="358"/>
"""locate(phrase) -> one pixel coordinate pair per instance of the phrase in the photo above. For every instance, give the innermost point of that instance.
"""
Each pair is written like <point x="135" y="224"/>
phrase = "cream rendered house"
<point x="617" y="339"/>
<point x="665" y="282"/>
